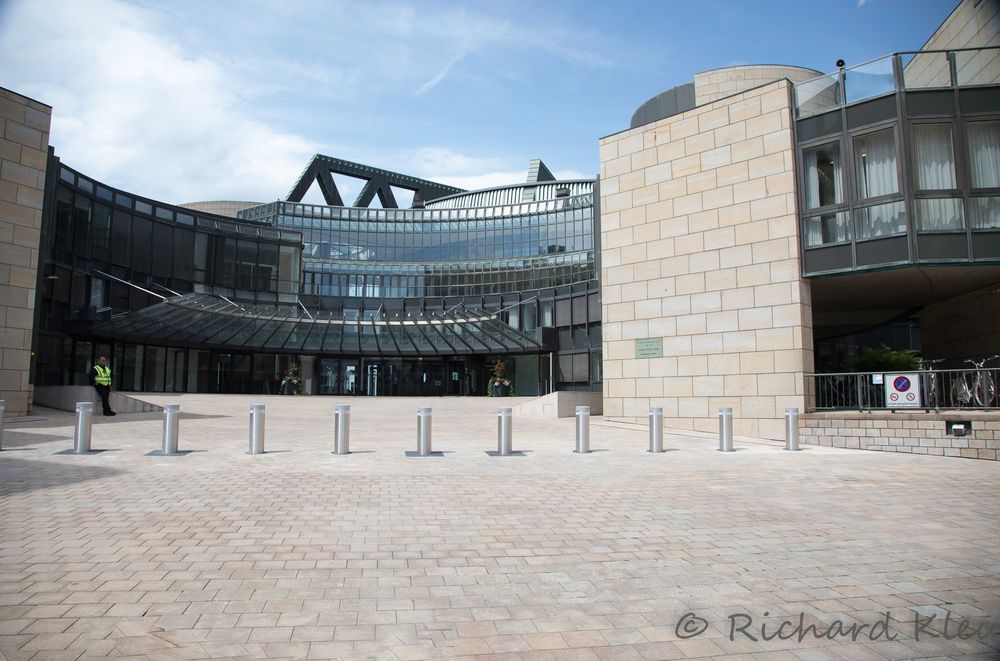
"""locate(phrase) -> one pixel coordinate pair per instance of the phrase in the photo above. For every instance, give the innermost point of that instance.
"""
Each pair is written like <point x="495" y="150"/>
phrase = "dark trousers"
<point x="104" y="392"/>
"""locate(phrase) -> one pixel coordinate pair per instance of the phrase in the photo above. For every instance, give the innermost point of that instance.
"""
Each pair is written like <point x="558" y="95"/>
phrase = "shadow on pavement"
<point x="21" y="475"/>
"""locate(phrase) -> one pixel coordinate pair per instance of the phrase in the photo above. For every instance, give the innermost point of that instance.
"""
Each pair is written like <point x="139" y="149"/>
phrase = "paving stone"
<point x="300" y="553"/>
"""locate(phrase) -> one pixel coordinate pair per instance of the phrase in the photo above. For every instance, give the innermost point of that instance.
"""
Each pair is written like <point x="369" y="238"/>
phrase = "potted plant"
<point x="291" y="384"/>
<point x="499" y="385"/>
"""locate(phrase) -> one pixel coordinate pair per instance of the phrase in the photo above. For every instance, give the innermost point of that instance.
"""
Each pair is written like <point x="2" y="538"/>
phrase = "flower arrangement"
<point x="291" y="384"/>
<point x="499" y="380"/>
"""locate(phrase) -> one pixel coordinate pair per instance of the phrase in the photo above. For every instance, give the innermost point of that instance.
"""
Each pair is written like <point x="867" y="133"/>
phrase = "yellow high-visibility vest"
<point x="103" y="375"/>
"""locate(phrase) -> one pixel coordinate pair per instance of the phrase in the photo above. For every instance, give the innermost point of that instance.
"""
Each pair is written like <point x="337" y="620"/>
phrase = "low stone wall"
<point x="562" y="404"/>
<point x="64" y="398"/>
<point x="913" y="433"/>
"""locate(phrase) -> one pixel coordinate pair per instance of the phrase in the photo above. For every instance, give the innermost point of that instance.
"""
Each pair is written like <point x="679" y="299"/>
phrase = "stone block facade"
<point x="719" y="83"/>
<point x="700" y="253"/>
<point x="973" y="24"/>
<point x="24" y="144"/>
<point x="912" y="433"/>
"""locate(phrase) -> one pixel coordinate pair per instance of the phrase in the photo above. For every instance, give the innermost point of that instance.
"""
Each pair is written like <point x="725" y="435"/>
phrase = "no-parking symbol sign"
<point x="902" y="391"/>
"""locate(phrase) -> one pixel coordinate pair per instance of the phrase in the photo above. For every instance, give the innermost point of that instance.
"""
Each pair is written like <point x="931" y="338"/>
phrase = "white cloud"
<point x="862" y="3"/>
<point x="154" y="98"/>
<point x="133" y="109"/>
<point x="469" y="172"/>
<point x="439" y="76"/>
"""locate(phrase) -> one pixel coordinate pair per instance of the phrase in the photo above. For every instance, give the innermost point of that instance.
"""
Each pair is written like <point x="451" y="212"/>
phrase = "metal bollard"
<point x="81" y="433"/>
<point x="3" y="409"/>
<point x="342" y="429"/>
<point x="256" y="429"/>
<point x="171" y="417"/>
<point x="424" y="431"/>
<point x="582" y="429"/>
<point x="725" y="429"/>
<point x="505" y="418"/>
<point x="791" y="429"/>
<point x="656" y="429"/>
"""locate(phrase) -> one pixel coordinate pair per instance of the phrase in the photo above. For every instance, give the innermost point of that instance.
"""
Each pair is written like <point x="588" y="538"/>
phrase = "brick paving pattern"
<point x="300" y="553"/>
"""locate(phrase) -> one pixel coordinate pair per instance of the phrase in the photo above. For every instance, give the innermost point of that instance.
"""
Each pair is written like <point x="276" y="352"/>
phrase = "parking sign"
<point x="902" y="391"/>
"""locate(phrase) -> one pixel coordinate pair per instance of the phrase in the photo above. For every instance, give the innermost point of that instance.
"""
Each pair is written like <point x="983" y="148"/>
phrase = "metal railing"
<point x="974" y="388"/>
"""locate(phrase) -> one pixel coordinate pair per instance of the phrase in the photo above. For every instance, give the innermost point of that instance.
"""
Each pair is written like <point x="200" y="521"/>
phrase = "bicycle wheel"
<point x="984" y="391"/>
<point x="960" y="394"/>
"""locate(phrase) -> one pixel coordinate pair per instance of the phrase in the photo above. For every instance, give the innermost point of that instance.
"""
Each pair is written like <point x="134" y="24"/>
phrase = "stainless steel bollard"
<point x="725" y="429"/>
<point x="171" y="416"/>
<point x="342" y="429"/>
<point x="81" y="433"/>
<point x="791" y="429"/>
<point x="505" y="419"/>
<point x="3" y="409"/>
<point x="424" y="431"/>
<point x="582" y="429"/>
<point x="656" y="429"/>
<point x="256" y="429"/>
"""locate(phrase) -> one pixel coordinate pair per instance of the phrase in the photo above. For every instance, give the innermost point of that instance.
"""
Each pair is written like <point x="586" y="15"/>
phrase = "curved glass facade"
<point x="363" y="300"/>
<point x="376" y="253"/>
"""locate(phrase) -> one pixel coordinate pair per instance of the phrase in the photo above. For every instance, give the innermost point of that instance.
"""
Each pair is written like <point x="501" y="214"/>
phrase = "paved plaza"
<point x="616" y="554"/>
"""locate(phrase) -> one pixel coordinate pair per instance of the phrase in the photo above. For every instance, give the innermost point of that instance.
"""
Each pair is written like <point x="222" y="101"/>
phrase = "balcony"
<point x="899" y="162"/>
<point x="912" y="70"/>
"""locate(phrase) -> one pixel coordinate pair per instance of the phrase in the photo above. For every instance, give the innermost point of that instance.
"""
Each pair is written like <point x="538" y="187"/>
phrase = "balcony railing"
<point x="953" y="389"/>
<point x="900" y="71"/>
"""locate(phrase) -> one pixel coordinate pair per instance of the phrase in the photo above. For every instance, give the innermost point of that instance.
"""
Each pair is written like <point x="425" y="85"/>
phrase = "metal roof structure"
<point x="377" y="182"/>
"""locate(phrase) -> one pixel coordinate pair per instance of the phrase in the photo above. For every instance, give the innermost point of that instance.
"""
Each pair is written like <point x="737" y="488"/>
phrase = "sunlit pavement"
<point x="616" y="554"/>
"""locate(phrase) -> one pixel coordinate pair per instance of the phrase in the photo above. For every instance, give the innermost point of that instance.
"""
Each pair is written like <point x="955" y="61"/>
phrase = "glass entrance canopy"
<point x="203" y="320"/>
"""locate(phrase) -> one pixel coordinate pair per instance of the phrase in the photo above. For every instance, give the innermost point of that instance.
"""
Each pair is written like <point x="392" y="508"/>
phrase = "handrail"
<point x="972" y="388"/>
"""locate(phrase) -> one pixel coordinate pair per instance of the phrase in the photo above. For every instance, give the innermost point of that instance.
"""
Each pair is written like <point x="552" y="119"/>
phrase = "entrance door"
<point x="434" y="379"/>
<point x="349" y="377"/>
<point x="455" y="370"/>
<point x="329" y="376"/>
<point x="372" y="378"/>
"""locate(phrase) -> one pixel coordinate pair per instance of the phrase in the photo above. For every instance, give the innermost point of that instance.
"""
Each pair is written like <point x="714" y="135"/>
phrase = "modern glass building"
<point x="363" y="300"/>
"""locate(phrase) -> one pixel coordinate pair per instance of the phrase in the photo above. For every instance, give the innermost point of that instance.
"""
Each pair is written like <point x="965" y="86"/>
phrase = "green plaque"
<point x="650" y="347"/>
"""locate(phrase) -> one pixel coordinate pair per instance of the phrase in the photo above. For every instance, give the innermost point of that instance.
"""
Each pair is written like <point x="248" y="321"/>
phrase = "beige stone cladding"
<point x="718" y="83"/>
<point x="24" y="144"/>
<point x="700" y="249"/>
<point x="973" y="24"/>
<point x="911" y="433"/>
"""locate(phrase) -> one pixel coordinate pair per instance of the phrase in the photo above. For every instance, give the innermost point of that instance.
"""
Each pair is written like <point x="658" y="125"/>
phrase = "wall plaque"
<point x="650" y="347"/>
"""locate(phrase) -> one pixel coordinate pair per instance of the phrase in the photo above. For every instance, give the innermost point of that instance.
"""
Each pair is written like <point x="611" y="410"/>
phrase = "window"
<point x="984" y="154"/>
<point x="875" y="164"/>
<point x="822" y="172"/>
<point x="984" y="212"/>
<point x="943" y="213"/>
<point x="934" y="157"/>
<point x="880" y="220"/>
<point x="932" y="148"/>
<point x="826" y="229"/>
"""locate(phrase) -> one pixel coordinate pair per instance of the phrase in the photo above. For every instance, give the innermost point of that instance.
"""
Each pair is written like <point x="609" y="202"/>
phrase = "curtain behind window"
<point x="984" y="154"/>
<point x="875" y="164"/>
<point x="823" y="179"/>
<point x="935" y="156"/>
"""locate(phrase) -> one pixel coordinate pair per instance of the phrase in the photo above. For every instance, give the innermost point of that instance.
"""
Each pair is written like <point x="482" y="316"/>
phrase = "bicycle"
<point x="931" y="383"/>
<point x="980" y="391"/>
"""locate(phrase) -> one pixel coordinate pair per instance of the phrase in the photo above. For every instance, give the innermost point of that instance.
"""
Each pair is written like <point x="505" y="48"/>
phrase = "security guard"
<point x="100" y="378"/>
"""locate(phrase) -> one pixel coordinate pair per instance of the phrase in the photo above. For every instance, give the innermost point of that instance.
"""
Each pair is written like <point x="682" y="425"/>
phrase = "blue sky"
<point x="194" y="100"/>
